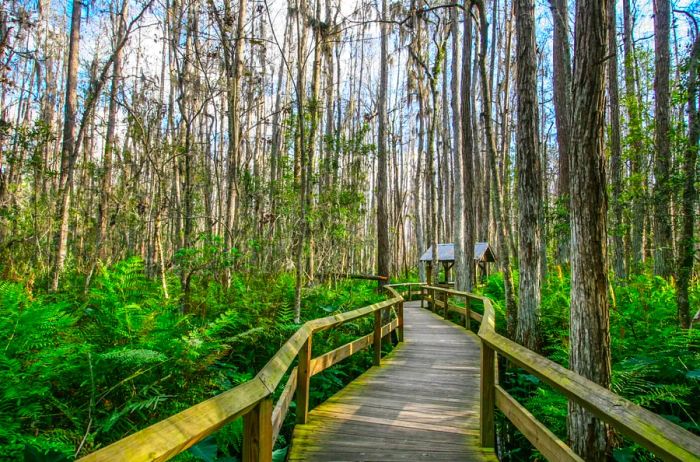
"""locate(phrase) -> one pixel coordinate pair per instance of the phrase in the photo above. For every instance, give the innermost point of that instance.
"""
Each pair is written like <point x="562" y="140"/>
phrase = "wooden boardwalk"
<point x="421" y="404"/>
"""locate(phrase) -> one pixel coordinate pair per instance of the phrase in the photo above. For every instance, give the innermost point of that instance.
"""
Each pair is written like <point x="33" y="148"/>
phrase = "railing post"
<point x="257" y="433"/>
<point x="422" y="296"/>
<point x="488" y="396"/>
<point x="409" y="293"/>
<point x="303" y="380"/>
<point x="377" y="342"/>
<point x="445" y="298"/>
<point x="400" y="317"/>
<point x="468" y="313"/>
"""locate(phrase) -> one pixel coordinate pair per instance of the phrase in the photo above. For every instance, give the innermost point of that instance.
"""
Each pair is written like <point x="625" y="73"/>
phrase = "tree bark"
<point x="663" y="237"/>
<point x="635" y="134"/>
<point x="314" y="108"/>
<point x="615" y="147"/>
<point x="687" y="239"/>
<point x="106" y="183"/>
<point x="561" y="57"/>
<point x="529" y="179"/>
<point x="462" y="265"/>
<point x="277" y="129"/>
<point x="467" y="153"/>
<point x="418" y="220"/>
<point x="431" y="73"/>
<point x="383" y="245"/>
<point x="233" y="81"/>
<point x="590" y="324"/>
<point x="300" y="157"/>
<point x="501" y="224"/>
<point x="68" y="150"/>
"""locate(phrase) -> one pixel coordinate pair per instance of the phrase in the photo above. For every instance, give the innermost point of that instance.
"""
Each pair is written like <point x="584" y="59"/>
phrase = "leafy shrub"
<point x="655" y="363"/>
<point x="79" y="370"/>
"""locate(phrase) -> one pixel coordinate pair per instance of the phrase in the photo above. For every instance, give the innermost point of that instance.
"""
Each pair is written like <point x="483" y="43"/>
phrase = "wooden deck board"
<point x="421" y="404"/>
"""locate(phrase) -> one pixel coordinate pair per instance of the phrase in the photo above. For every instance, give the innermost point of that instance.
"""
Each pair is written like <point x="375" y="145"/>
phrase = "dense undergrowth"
<point x="80" y="369"/>
<point x="655" y="363"/>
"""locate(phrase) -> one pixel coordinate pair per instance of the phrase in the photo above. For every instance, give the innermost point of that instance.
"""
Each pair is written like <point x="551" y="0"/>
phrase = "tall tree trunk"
<point x="431" y="73"/>
<point x="383" y="245"/>
<point x="635" y="133"/>
<point x="417" y="193"/>
<point x="277" y="128"/>
<point x="234" y="147"/>
<point x="663" y="238"/>
<point x="561" y="57"/>
<point x="300" y="156"/>
<point x="69" y="149"/>
<point x="467" y="182"/>
<point x="186" y="102"/>
<point x="529" y="178"/>
<point x="687" y="240"/>
<point x="447" y="206"/>
<point x="462" y="214"/>
<point x="496" y="188"/>
<point x="615" y="146"/>
<point x="590" y="323"/>
<point x="506" y="133"/>
<point x="315" y="113"/>
<point x="106" y="183"/>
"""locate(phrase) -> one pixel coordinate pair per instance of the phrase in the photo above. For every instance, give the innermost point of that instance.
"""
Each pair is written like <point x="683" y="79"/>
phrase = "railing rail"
<point x="666" y="440"/>
<point x="253" y="399"/>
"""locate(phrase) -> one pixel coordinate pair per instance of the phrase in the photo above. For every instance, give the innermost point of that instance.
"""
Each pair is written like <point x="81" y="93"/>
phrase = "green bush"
<point x="655" y="363"/>
<point x="83" y="369"/>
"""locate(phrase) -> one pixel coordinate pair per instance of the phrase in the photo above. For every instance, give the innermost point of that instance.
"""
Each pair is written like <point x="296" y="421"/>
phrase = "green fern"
<point x="133" y="357"/>
<point x="284" y="314"/>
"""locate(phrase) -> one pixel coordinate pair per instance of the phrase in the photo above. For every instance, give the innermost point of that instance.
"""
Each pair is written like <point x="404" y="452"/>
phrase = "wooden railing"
<point x="663" y="438"/>
<point x="253" y="400"/>
<point x="262" y="420"/>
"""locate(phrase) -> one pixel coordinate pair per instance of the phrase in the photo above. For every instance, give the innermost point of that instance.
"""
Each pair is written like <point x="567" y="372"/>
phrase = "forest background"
<point x="179" y="180"/>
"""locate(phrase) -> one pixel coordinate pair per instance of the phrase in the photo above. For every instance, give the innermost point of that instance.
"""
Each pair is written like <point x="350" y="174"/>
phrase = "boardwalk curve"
<point x="422" y="403"/>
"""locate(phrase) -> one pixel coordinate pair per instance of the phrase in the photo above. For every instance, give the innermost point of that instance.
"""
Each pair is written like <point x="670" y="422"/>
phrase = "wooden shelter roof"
<point x="446" y="253"/>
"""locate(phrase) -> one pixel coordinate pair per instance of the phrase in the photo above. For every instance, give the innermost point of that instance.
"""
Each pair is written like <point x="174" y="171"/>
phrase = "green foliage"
<point x="99" y="364"/>
<point x="656" y="364"/>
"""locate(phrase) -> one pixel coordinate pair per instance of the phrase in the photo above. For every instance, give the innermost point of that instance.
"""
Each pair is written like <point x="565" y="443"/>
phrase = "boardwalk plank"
<point x="422" y="403"/>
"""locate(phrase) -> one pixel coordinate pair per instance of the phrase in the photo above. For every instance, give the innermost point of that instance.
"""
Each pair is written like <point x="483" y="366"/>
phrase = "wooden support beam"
<point x="377" y="342"/>
<point x="327" y="360"/>
<point x="303" y="380"/>
<point x="257" y="433"/>
<point x="468" y="314"/>
<point x="400" y="318"/>
<point x="282" y="406"/>
<point x="445" y="304"/>
<point x="551" y="447"/>
<point x="488" y="396"/>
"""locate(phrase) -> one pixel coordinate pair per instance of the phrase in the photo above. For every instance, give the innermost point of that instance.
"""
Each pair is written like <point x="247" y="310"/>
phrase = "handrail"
<point x="405" y="284"/>
<point x="253" y="399"/>
<point x="665" y="439"/>
<point x="262" y="422"/>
